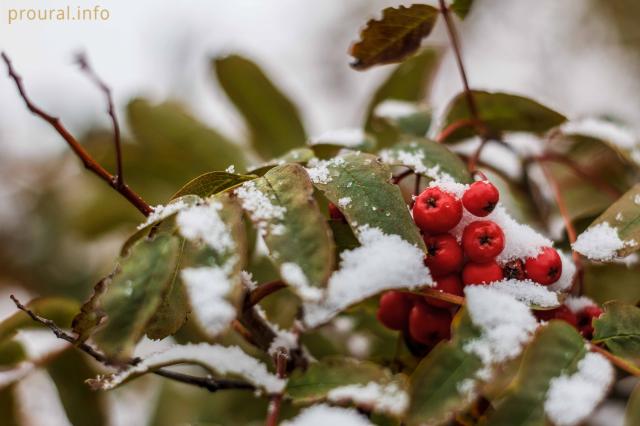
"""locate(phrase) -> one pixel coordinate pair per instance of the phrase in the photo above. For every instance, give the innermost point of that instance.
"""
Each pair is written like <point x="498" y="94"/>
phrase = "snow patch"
<point x="577" y="304"/>
<point x="527" y="292"/>
<point x="413" y="159"/>
<point x="571" y="399"/>
<point x="389" y="398"/>
<point x="161" y="212"/>
<point x="600" y="242"/>
<point x="323" y="415"/>
<point x="319" y="169"/>
<point x="394" y="109"/>
<point x="293" y="275"/>
<point x="260" y="208"/>
<point x="344" y="201"/>
<point x="349" y="138"/>
<point x="616" y="134"/>
<point x="203" y="223"/>
<point x="565" y="281"/>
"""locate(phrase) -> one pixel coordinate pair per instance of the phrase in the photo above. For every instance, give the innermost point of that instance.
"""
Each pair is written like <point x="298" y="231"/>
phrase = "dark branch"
<point x="83" y="63"/>
<point x="87" y="160"/>
<point x="273" y="413"/>
<point x="264" y="290"/>
<point x="210" y="384"/>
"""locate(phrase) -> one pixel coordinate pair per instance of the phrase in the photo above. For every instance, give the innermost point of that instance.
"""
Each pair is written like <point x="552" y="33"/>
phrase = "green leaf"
<point x="374" y="201"/>
<point x="396" y="36"/>
<point x="324" y="147"/>
<point x="427" y="158"/>
<point x="58" y="309"/>
<point x="598" y="279"/>
<point x="461" y="7"/>
<point x="501" y="112"/>
<point x="314" y="384"/>
<point x="297" y="155"/>
<point x="409" y="82"/>
<point x="11" y="353"/>
<point x="555" y="350"/>
<point x="135" y="293"/>
<point x="619" y="329"/>
<point x="281" y="205"/>
<point x="211" y="183"/>
<point x="624" y="216"/>
<point x="82" y="405"/>
<point x="273" y="121"/>
<point x="632" y="414"/>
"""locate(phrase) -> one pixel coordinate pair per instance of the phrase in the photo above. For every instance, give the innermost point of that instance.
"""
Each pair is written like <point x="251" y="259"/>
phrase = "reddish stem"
<point x="264" y="290"/>
<point x="440" y="295"/>
<point x="276" y="400"/>
<point x="457" y="125"/>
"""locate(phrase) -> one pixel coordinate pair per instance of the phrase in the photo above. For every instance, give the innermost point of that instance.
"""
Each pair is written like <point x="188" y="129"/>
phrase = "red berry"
<point x="448" y="284"/>
<point x="444" y="254"/>
<point x="429" y="325"/>
<point x="394" y="309"/>
<point x="585" y="320"/>
<point x="335" y="213"/>
<point x="481" y="273"/>
<point x="546" y="268"/>
<point x="481" y="198"/>
<point x="482" y="240"/>
<point x="560" y="313"/>
<point x="514" y="270"/>
<point x="436" y="211"/>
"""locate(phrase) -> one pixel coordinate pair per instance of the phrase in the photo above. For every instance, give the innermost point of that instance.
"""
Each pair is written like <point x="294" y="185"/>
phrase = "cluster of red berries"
<point x="582" y="319"/>
<point x="426" y="320"/>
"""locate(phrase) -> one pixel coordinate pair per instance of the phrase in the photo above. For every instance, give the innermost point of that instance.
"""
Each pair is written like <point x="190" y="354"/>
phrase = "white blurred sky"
<point x="559" y="52"/>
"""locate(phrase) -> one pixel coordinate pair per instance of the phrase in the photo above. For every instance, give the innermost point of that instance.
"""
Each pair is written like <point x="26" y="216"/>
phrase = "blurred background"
<point x="60" y="228"/>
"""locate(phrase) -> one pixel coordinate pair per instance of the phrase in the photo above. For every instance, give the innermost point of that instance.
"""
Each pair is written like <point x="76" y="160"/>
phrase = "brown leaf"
<point x="397" y="35"/>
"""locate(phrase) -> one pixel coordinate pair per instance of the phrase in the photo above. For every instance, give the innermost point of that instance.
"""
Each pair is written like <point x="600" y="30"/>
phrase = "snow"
<point x="571" y="399"/>
<point x="283" y="338"/>
<point x="600" y="242"/>
<point x="359" y="345"/>
<point x="382" y="262"/>
<point x="323" y="415"/>
<point x="259" y="207"/>
<point x="217" y="359"/>
<point x="527" y="292"/>
<point x="319" y="170"/>
<point x="447" y="184"/>
<point x="230" y="169"/>
<point x="505" y="323"/>
<point x="393" y="109"/>
<point x="565" y="281"/>
<point x="349" y="138"/>
<point x="388" y="398"/>
<point x="344" y="201"/>
<point x="293" y="275"/>
<point x="203" y="223"/>
<point x="577" y="304"/>
<point x="616" y="134"/>
<point x="208" y="288"/>
<point x="161" y="212"/>
<point x="413" y="159"/>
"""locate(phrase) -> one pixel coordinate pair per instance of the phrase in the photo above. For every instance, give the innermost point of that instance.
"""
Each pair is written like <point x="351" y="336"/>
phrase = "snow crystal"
<point x="247" y="280"/>
<point x="571" y="399"/>
<point x="414" y="160"/>
<point x="577" y="304"/>
<point x="382" y="262"/>
<point x="293" y="275"/>
<point x="387" y="398"/>
<point x="215" y="358"/>
<point x="618" y="135"/>
<point x="208" y="288"/>
<point x="259" y="207"/>
<point x="322" y="415"/>
<point x="203" y="222"/>
<point x="527" y="292"/>
<point x="447" y="184"/>
<point x="393" y="109"/>
<point x="162" y="212"/>
<point x="319" y="169"/>
<point x="349" y="138"/>
<point x="629" y="260"/>
<point x="505" y="323"/>
<point x="568" y="272"/>
<point x="283" y="338"/>
<point x="359" y="345"/>
<point x="230" y="169"/>
<point x="600" y="242"/>
<point x="344" y="201"/>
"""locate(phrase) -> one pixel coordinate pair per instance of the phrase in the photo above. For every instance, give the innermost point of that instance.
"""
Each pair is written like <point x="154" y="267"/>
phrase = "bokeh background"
<point x="60" y="228"/>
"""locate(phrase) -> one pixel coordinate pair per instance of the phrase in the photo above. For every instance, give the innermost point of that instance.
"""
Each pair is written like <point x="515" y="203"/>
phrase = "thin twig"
<point x="264" y="290"/>
<point x="210" y="384"/>
<point x="273" y="411"/>
<point x="457" y="125"/>
<point x="87" y="160"/>
<point x="83" y="62"/>
<point x="473" y="160"/>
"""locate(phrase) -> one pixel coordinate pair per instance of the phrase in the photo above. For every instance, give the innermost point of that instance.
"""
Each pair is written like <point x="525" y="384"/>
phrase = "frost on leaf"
<point x="600" y="242"/>
<point x="217" y="360"/>
<point x="527" y="292"/>
<point x="388" y="398"/>
<point x="382" y="262"/>
<point x="571" y="398"/>
<point x="323" y="415"/>
<point x="262" y="211"/>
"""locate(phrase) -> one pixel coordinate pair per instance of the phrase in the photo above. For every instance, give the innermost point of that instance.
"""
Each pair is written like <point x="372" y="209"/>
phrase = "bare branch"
<point x="264" y="290"/>
<point x="83" y="63"/>
<point x="87" y="160"/>
<point x="210" y="384"/>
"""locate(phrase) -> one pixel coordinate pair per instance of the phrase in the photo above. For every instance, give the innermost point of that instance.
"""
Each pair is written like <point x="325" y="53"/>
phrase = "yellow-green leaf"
<point x="619" y="329"/>
<point x="211" y="183"/>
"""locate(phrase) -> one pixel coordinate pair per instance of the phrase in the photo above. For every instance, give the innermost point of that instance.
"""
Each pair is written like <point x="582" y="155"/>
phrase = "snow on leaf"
<point x="382" y="262"/>
<point x="203" y="222"/>
<point x="322" y="415"/>
<point x="389" y="398"/>
<point x="565" y="281"/>
<point x="527" y="292"/>
<point x="218" y="360"/>
<point x="571" y="398"/>
<point x="395" y="109"/>
<point x="600" y="242"/>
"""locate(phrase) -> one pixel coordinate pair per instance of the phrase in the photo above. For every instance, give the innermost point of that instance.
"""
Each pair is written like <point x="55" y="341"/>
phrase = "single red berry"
<point x="482" y="240"/>
<point x="514" y="270"/>
<point x="448" y="284"/>
<point x="444" y="254"/>
<point x="335" y="213"/>
<point x="585" y="320"/>
<point x="481" y="198"/>
<point x="481" y="273"/>
<point x="546" y="268"/>
<point x="436" y="211"/>
<point x="394" y="309"/>
<point x="429" y="325"/>
<point x="560" y="313"/>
